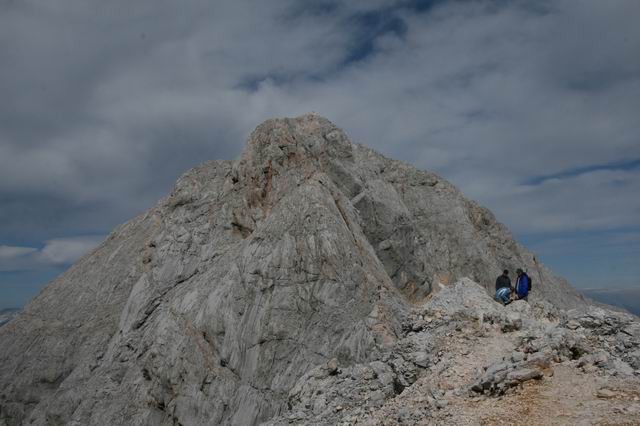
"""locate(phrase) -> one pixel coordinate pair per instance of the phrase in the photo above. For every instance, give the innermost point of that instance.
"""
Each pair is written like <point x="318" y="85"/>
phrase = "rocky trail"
<point x="523" y="364"/>
<point x="569" y="397"/>
<point x="564" y="394"/>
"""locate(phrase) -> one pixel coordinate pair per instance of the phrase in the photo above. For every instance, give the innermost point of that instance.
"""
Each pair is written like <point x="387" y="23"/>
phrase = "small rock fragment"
<point x="605" y="393"/>
<point x="517" y="356"/>
<point x="332" y="366"/>
<point x="524" y="374"/>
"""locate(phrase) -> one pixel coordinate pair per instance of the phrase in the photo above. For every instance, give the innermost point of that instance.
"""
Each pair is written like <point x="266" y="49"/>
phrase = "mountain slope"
<point x="211" y="306"/>
<point x="7" y="314"/>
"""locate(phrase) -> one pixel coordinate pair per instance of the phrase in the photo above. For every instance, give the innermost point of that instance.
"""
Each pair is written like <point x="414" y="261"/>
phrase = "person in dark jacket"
<point x="503" y="288"/>
<point x="522" y="284"/>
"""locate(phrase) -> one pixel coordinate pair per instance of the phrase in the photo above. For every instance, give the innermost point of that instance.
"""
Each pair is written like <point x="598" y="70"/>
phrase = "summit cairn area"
<point x="312" y="281"/>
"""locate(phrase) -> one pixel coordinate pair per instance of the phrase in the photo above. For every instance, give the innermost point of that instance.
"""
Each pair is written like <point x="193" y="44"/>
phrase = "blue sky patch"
<point x="620" y="165"/>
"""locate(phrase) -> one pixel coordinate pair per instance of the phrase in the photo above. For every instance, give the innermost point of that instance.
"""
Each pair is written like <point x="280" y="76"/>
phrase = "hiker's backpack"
<point x="529" y="281"/>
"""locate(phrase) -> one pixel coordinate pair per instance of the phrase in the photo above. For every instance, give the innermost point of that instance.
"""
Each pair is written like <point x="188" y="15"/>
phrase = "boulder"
<point x="523" y="374"/>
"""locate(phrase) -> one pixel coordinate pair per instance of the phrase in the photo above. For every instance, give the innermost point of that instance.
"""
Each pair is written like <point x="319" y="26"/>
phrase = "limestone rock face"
<point x="299" y="259"/>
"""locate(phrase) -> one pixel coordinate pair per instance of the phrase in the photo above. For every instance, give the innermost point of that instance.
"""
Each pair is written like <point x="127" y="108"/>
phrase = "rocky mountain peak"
<point x="282" y="154"/>
<point x="257" y="284"/>
<point x="309" y="135"/>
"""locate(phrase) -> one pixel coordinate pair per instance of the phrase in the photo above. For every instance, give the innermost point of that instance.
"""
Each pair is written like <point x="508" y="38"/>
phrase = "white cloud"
<point x="68" y="250"/>
<point x="59" y="251"/>
<point x="598" y="200"/>
<point x="12" y="252"/>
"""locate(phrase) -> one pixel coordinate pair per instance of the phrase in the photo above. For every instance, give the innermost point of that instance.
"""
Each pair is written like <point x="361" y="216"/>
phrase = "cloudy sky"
<point x="530" y="107"/>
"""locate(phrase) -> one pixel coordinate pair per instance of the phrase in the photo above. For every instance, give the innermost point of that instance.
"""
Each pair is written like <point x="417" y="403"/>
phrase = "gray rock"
<point x="523" y="375"/>
<point x="512" y="322"/>
<point x="599" y="358"/>
<point x="441" y="403"/>
<point x="500" y="376"/>
<point x="541" y="360"/>
<point x="573" y="325"/>
<point x="421" y="359"/>
<point x="633" y="358"/>
<point x="517" y="356"/>
<point x="605" y="393"/>
<point x="332" y="366"/>
<point x="220" y="301"/>
<point x="377" y="396"/>
<point x="496" y="368"/>
<point x="620" y="368"/>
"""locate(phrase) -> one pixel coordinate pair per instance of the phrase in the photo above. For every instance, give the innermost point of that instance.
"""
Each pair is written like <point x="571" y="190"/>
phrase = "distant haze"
<point x="627" y="298"/>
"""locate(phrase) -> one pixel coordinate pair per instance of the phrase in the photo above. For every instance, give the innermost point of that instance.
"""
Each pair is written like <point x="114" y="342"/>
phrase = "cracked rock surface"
<point x="312" y="280"/>
<point x="478" y="371"/>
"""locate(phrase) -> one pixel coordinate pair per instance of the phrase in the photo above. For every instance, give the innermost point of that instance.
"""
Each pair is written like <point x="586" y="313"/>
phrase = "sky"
<point x="531" y="108"/>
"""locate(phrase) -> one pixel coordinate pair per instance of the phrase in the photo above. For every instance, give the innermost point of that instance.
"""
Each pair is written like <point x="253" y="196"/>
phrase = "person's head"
<point x="505" y="272"/>
<point x="519" y="271"/>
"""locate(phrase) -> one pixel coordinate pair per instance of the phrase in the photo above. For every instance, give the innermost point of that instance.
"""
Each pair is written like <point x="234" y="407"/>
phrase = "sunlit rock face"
<point x="211" y="306"/>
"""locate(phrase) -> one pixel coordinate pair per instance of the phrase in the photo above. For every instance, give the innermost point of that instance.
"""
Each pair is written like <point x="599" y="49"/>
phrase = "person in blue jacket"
<point x="522" y="284"/>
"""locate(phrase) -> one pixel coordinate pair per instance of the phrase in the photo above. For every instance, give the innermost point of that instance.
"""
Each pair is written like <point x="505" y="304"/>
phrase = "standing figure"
<point x="523" y="284"/>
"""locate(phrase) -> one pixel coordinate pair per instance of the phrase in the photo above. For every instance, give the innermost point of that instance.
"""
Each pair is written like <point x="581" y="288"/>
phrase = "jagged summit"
<point x="213" y="305"/>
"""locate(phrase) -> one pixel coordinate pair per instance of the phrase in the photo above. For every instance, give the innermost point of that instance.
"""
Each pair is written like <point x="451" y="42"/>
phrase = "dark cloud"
<point x="104" y="104"/>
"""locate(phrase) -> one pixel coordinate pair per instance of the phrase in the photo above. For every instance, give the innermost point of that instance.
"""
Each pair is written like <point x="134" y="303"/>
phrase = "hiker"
<point x="503" y="288"/>
<point x="523" y="284"/>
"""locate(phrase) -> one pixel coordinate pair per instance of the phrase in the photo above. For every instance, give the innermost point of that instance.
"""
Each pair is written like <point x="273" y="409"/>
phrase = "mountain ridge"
<point x="213" y="304"/>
